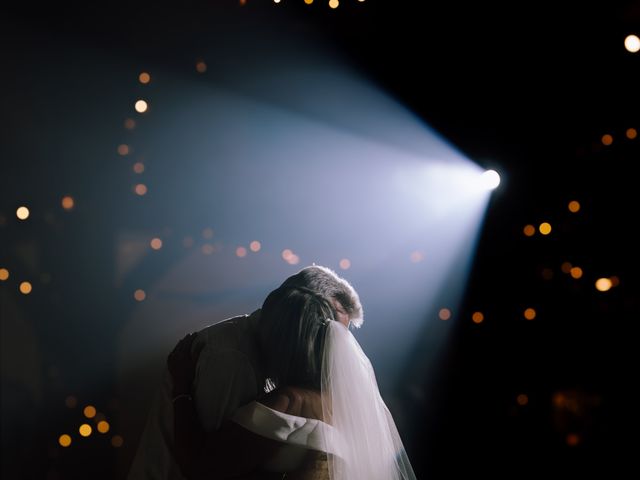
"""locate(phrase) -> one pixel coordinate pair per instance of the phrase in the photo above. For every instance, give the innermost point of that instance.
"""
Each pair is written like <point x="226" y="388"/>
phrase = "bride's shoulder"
<point x="298" y="401"/>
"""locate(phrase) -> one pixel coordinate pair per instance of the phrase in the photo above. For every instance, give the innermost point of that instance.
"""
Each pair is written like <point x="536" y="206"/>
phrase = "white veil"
<point x="363" y="432"/>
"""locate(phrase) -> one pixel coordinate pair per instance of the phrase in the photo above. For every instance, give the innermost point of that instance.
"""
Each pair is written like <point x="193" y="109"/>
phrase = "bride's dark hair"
<point x="292" y="335"/>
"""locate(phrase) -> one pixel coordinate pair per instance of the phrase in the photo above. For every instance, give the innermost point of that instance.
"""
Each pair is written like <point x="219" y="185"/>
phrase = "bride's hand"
<point x="181" y="363"/>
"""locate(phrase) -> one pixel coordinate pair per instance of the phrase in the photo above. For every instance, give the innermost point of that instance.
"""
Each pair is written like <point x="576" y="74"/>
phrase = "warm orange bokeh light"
<point x="85" y="429"/>
<point x="156" y="243"/>
<point x="64" y="440"/>
<point x="241" y="252"/>
<point x="138" y="167"/>
<point x="25" y="288"/>
<point x="529" y="314"/>
<point x="444" y="314"/>
<point x="103" y="426"/>
<point x="529" y="230"/>
<point x="201" y="67"/>
<point x="144" y="78"/>
<point x="574" y="206"/>
<point x="89" y="411"/>
<point x="139" y="295"/>
<point x="477" y="317"/>
<point x="4" y="274"/>
<point x="607" y="139"/>
<point x="631" y="133"/>
<point x="522" y="399"/>
<point x="67" y="202"/>
<point x="545" y="228"/>
<point x="117" y="441"/>
<point x="576" y="272"/>
<point x="123" y="149"/>
<point x="140" y="189"/>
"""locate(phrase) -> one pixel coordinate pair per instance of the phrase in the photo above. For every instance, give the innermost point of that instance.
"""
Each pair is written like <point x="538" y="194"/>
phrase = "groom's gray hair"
<point x="328" y="284"/>
<point x="293" y="325"/>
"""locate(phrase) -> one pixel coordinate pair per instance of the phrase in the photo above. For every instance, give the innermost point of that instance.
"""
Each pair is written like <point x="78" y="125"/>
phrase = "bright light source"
<point x="141" y="106"/>
<point x="490" y="179"/>
<point x="22" y="213"/>
<point x="632" y="43"/>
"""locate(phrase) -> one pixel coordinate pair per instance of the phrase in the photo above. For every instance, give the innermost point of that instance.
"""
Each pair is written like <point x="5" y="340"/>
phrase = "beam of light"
<point x="324" y="168"/>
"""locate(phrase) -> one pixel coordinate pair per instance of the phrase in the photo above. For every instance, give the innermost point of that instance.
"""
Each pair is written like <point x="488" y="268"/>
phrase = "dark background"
<point x="532" y="87"/>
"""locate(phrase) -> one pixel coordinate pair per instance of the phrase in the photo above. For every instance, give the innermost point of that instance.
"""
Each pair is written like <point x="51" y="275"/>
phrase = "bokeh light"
<point x="103" y="426"/>
<point x="345" y="263"/>
<point x="25" y="288"/>
<point x="603" y="284"/>
<point x="144" y="78"/>
<point x="255" y="246"/>
<point x="67" y="202"/>
<point x="444" y="314"/>
<point x="576" y="272"/>
<point x="529" y="314"/>
<point x="156" y="243"/>
<point x="89" y="411"/>
<point x="117" y="441"/>
<point x="22" y="213"/>
<point x="632" y="43"/>
<point x="64" y="440"/>
<point x="141" y="106"/>
<point x="529" y="230"/>
<point x="123" y="149"/>
<point x="545" y="228"/>
<point x="477" y="317"/>
<point x="631" y="133"/>
<point x="416" y="256"/>
<point x="85" y="430"/>
<point x="241" y="252"/>
<point x="140" y="189"/>
<point x="138" y="167"/>
<point x="522" y="399"/>
<point x="574" y="206"/>
<point x="139" y="295"/>
<point x="4" y="274"/>
<point x="201" y="67"/>
<point x="607" y="139"/>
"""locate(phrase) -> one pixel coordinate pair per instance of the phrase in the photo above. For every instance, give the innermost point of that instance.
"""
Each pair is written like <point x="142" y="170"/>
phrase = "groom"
<point x="229" y="373"/>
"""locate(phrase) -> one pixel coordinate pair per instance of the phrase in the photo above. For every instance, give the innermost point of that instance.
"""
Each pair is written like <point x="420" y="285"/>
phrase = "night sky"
<point x="546" y="95"/>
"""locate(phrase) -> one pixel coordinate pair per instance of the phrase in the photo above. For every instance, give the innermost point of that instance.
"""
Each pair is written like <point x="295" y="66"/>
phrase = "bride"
<point x="323" y="419"/>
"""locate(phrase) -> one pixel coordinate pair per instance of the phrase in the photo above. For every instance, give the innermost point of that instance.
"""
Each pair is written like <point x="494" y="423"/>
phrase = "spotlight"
<point x="490" y="179"/>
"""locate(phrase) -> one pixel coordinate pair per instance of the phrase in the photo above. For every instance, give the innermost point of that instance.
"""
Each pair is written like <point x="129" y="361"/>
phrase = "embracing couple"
<point x="283" y="393"/>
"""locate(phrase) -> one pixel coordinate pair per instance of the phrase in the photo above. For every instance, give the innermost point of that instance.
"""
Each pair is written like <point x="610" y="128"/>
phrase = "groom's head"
<point x="294" y="319"/>
<point x="326" y="283"/>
